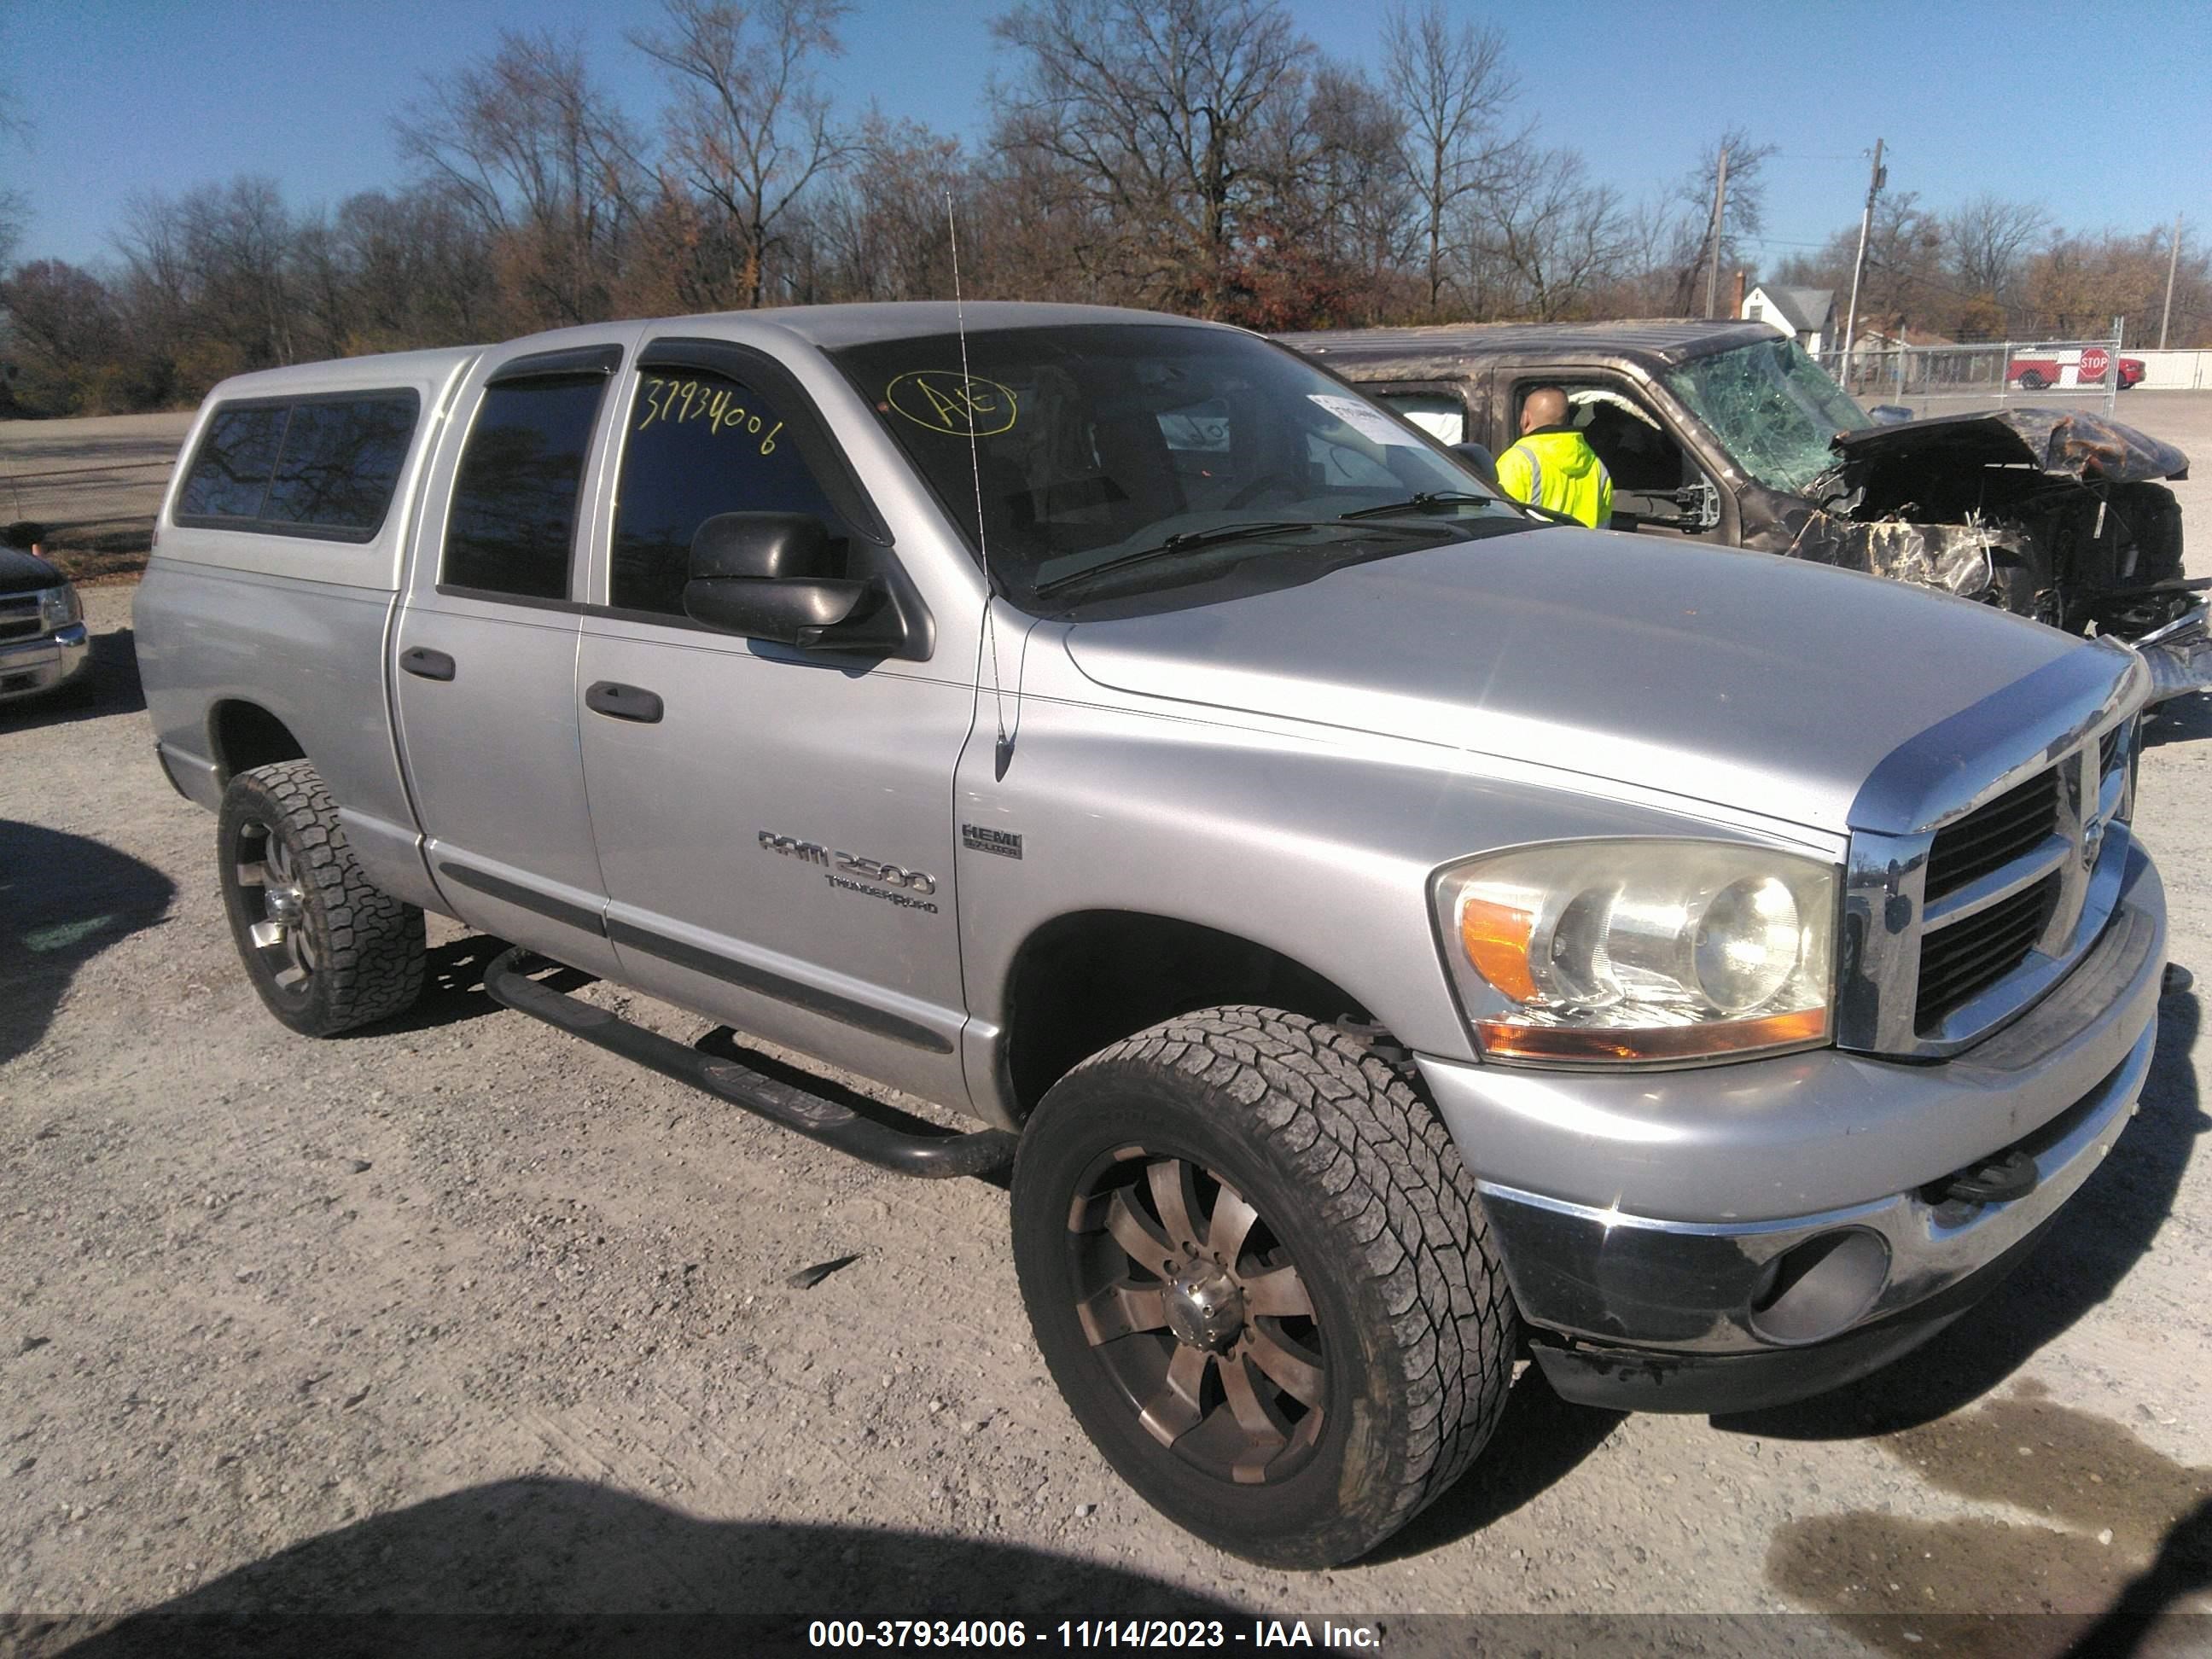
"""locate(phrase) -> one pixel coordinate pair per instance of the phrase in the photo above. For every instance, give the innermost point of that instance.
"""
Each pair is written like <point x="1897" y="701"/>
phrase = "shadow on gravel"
<point x="544" y="1565"/>
<point x="63" y="899"/>
<point x="2181" y="720"/>
<point x="2095" y="1241"/>
<point x="115" y="689"/>
<point x="453" y="988"/>
<point x="1538" y="1441"/>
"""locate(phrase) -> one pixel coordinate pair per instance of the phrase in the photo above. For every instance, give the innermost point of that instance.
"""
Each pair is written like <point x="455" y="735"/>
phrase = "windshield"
<point x="1772" y="408"/>
<point x="1137" y="456"/>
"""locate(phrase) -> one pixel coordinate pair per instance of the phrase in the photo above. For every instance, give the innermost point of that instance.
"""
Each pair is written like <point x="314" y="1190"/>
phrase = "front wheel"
<point x="1259" y="1272"/>
<point x="326" y="949"/>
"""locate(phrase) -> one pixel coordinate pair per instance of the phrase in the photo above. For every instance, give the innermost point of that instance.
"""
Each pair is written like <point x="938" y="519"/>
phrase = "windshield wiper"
<point x="1427" y="498"/>
<point x="1182" y="543"/>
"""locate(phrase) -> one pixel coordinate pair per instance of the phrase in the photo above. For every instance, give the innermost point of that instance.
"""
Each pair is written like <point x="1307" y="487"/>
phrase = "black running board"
<point x="932" y="1157"/>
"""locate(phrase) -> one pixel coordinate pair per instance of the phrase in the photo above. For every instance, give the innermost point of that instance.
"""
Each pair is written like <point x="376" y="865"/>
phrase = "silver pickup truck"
<point x="1387" y="936"/>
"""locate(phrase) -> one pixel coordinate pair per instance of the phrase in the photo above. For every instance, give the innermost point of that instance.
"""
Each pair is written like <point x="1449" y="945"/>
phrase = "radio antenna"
<point x="1003" y="751"/>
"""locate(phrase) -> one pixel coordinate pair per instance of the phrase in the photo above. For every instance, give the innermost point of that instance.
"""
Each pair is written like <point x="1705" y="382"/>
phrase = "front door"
<point x="774" y="826"/>
<point x="1658" y="487"/>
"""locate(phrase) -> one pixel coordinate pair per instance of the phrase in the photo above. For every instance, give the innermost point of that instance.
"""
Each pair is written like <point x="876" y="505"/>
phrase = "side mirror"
<point x="767" y="576"/>
<point x="1480" y="461"/>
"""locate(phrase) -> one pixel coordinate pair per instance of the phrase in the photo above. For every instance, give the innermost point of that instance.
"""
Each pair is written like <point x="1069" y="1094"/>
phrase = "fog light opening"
<point x="1815" y="1289"/>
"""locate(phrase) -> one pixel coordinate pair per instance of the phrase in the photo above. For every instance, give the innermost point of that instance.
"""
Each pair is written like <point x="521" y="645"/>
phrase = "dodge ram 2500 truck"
<point x="1381" y="930"/>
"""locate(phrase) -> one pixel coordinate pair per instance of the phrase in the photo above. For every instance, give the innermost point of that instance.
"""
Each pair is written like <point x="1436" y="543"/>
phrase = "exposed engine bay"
<point x="2049" y="513"/>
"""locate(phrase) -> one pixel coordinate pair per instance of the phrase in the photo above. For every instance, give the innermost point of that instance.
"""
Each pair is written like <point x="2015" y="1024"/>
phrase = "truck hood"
<point x="2064" y="443"/>
<point x="1741" y="679"/>
<point x="24" y="572"/>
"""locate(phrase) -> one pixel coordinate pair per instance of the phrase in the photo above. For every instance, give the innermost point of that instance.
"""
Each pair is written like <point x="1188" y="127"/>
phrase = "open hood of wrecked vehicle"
<point x="2065" y="443"/>
<point x="1737" y="678"/>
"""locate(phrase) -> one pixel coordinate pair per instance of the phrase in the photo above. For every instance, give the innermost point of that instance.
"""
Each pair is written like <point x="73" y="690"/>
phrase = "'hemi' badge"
<point x="977" y="839"/>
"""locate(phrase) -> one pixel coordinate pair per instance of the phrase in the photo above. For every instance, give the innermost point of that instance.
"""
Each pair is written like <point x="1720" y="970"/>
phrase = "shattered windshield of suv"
<point x="1772" y="407"/>
<point x="1133" y="451"/>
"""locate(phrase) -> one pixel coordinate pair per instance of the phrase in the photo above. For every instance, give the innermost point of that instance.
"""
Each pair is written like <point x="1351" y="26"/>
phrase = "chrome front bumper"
<point x="29" y="668"/>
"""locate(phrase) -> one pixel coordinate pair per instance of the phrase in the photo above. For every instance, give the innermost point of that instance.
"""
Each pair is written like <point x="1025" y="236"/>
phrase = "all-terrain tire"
<point x="1358" y="1187"/>
<point x="355" y="954"/>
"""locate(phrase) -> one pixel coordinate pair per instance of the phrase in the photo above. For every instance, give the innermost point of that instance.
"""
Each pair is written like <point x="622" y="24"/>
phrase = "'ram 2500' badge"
<point x="813" y="852"/>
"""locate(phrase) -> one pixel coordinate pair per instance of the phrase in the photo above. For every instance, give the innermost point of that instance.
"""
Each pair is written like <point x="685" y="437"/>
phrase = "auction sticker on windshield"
<point x="1369" y="423"/>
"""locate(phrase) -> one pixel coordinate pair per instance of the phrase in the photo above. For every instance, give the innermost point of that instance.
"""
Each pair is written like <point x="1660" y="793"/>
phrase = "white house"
<point x="1808" y="314"/>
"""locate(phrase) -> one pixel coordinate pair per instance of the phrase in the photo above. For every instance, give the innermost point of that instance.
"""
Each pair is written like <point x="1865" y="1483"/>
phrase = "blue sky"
<point x="2104" y="116"/>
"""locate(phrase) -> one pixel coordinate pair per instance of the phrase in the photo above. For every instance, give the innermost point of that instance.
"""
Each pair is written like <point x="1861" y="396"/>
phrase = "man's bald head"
<point x="1547" y="406"/>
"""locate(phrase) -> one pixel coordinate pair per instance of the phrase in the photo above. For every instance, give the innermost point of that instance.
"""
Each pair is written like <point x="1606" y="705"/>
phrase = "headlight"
<point x="1641" y="950"/>
<point x="59" y="607"/>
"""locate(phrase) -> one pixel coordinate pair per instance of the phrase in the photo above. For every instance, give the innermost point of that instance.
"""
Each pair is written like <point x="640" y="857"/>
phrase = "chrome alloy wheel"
<point x="1196" y="1311"/>
<point x="281" y="938"/>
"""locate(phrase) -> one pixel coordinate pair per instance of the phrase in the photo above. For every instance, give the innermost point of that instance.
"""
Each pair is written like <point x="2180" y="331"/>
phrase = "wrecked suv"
<point x="1386" y="935"/>
<point x="1727" y="433"/>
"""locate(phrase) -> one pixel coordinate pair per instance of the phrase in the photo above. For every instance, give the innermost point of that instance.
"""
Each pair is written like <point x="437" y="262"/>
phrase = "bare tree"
<point x="1456" y="88"/>
<point x="750" y="128"/>
<point x="1353" y="177"/>
<point x="535" y="153"/>
<point x="1988" y="240"/>
<point x="1154" y="118"/>
<point x="14" y="205"/>
<point x="882" y="232"/>
<point x="1744" y="215"/>
<point x="1556" y="236"/>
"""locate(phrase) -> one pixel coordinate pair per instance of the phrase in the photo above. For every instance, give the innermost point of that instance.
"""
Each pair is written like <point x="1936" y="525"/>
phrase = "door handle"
<point x="624" y="703"/>
<point x="426" y="664"/>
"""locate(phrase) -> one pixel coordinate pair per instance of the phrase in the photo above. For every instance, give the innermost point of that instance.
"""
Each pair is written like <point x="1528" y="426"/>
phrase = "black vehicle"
<point x="44" y="648"/>
<point x="1727" y="432"/>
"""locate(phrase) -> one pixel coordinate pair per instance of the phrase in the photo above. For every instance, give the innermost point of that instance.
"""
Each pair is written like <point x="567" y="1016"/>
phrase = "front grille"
<point x="2108" y="746"/>
<point x="19" y="617"/>
<point x="1992" y="836"/>
<point x="1958" y="962"/>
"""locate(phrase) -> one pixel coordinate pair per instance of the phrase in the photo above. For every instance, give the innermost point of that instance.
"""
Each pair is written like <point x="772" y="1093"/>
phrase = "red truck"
<point x="2040" y="365"/>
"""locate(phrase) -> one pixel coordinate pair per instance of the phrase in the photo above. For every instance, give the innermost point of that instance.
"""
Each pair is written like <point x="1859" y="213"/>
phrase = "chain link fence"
<point x="1954" y="380"/>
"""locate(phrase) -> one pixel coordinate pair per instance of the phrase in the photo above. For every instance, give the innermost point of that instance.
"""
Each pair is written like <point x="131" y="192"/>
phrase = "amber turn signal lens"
<point x="1495" y="938"/>
<point x="1507" y="1040"/>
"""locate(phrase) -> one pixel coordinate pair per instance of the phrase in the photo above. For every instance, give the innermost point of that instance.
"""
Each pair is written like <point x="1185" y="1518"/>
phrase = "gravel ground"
<point x="460" y="1316"/>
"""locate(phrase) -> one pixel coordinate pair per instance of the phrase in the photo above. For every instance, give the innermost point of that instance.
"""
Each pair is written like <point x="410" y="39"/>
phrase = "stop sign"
<point x="2095" y="360"/>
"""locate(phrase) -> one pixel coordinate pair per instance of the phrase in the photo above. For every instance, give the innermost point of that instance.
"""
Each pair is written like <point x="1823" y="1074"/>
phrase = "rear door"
<point x="485" y="671"/>
<point x="775" y="826"/>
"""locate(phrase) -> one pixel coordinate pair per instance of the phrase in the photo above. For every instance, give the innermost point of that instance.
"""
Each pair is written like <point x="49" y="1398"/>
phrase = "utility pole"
<point x="1720" y="207"/>
<point x="2173" y="258"/>
<point x="1866" y="223"/>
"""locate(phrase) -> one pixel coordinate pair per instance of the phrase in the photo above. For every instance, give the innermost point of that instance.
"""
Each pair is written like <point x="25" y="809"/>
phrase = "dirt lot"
<point x="460" y="1316"/>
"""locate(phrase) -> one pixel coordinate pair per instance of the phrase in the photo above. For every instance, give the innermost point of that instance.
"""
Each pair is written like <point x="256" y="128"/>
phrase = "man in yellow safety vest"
<point x="1554" y="465"/>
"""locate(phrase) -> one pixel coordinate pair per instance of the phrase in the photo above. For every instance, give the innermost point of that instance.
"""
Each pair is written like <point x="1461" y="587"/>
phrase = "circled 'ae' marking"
<point x="947" y="401"/>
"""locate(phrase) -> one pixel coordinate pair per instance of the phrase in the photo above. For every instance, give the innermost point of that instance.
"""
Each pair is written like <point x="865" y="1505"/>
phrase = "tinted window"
<point x="340" y="462"/>
<point x="230" y="475"/>
<point x="513" y="518"/>
<point x="699" y="444"/>
<point x="321" y="465"/>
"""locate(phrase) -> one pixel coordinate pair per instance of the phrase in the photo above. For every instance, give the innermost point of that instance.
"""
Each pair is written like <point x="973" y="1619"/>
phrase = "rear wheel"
<point x="2030" y="380"/>
<point x="1259" y="1272"/>
<point x="325" y="948"/>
